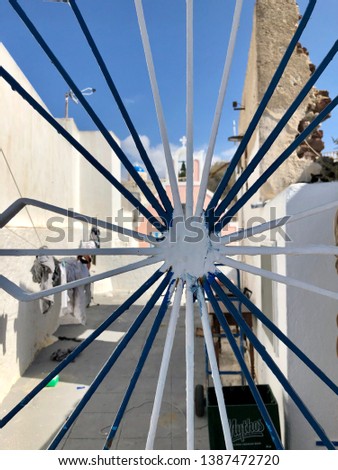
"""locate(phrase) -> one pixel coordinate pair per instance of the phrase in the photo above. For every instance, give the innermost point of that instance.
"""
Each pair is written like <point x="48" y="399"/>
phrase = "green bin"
<point x="248" y="429"/>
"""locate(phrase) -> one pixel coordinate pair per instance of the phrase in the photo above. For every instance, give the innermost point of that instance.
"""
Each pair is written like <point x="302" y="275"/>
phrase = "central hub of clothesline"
<point x="187" y="248"/>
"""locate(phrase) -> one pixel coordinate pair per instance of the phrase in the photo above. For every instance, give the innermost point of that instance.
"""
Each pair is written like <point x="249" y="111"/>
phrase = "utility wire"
<point x="17" y="187"/>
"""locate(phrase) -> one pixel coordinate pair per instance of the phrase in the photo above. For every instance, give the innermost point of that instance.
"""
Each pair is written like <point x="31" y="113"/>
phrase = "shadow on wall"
<point x="3" y="331"/>
<point x="33" y="329"/>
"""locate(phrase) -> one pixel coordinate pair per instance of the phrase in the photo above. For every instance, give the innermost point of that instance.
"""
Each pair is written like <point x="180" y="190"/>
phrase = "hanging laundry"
<point x="43" y="273"/>
<point x="87" y="260"/>
<point x="77" y="297"/>
<point x="48" y="272"/>
<point x="63" y="280"/>
<point x="95" y="237"/>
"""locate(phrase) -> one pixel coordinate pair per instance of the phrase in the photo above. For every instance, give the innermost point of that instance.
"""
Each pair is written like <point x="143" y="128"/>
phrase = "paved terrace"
<point x="35" y="426"/>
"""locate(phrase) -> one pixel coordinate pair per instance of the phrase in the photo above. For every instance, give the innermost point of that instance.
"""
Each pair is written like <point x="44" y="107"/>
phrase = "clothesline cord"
<point x="18" y="189"/>
<point x="22" y="238"/>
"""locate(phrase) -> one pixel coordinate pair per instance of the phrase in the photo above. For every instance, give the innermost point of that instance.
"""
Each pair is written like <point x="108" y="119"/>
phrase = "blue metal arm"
<point x="77" y="92"/>
<point x="276" y="131"/>
<point x="258" y="114"/>
<point x="84" y="152"/>
<point x="81" y="347"/>
<point x="270" y="362"/>
<point x="260" y="403"/>
<point x="275" y="165"/>
<point x="152" y="173"/>
<point x="144" y="355"/>
<point x="110" y="362"/>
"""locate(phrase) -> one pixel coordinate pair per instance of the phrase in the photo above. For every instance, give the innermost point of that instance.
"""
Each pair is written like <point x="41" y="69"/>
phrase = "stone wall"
<point x="290" y="308"/>
<point x="274" y="24"/>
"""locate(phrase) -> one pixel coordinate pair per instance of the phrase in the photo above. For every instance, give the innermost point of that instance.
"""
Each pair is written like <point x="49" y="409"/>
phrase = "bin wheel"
<point x="200" y="401"/>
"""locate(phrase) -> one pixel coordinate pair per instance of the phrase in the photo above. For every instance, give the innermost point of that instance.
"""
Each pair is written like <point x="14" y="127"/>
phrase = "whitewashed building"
<point x="307" y="318"/>
<point x="38" y="163"/>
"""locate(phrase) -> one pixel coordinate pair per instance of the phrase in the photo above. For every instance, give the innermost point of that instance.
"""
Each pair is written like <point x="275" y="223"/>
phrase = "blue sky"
<point x="113" y="24"/>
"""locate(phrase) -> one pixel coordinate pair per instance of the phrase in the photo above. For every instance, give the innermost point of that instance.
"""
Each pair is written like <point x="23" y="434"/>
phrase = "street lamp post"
<point x="70" y="94"/>
<point x="57" y="1"/>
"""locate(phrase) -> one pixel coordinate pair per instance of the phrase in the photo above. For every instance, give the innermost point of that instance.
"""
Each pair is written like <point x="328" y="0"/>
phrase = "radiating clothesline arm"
<point x="225" y="219"/>
<point x="7" y="215"/>
<point x="244" y="368"/>
<point x="277" y="277"/>
<point x="138" y="143"/>
<point x="190" y="364"/>
<point x="80" y="252"/>
<point x="273" y="224"/>
<point x="21" y="294"/>
<point x="209" y="343"/>
<point x="159" y="110"/>
<point x="276" y="331"/>
<point x="279" y="250"/>
<point x="82" y="150"/>
<point x="139" y="367"/>
<point x="219" y="108"/>
<point x="77" y="92"/>
<point x="190" y="109"/>
<point x="254" y="162"/>
<point x="82" y="346"/>
<point x="167" y="350"/>
<point x="262" y="105"/>
<point x="110" y="362"/>
<point x="260" y="348"/>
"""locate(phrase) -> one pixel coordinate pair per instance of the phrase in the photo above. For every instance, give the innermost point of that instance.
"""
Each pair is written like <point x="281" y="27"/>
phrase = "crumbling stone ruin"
<point x="313" y="146"/>
<point x="274" y="24"/>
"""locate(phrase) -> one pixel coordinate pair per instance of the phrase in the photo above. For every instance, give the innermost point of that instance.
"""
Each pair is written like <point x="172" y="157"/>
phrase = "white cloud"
<point x="226" y="155"/>
<point x="129" y="100"/>
<point x="155" y="153"/>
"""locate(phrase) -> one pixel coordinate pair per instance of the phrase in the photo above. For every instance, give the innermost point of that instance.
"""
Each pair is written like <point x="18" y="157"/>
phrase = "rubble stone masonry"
<point x="274" y="24"/>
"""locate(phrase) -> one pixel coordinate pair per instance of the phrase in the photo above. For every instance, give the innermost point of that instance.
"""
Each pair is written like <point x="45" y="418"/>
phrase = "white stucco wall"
<point x="36" y="162"/>
<point x="24" y="329"/>
<point x="33" y="150"/>
<point x="249" y="218"/>
<point x="312" y="318"/>
<point x="306" y="318"/>
<point x="30" y="166"/>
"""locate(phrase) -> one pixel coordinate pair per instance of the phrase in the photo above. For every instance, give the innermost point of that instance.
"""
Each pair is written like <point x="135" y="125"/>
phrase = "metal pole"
<point x="82" y="346"/>
<point x="189" y="189"/>
<point x="219" y="106"/>
<point x="272" y="365"/>
<point x="110" y="362"/>
<point x="240" y="358"/>
<point x="144" y="355"/>
<point x="164" y="367"/>
<point x="190" y="366"/>
<point x="66" y="104"/>
<point x="214" y="370"/>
